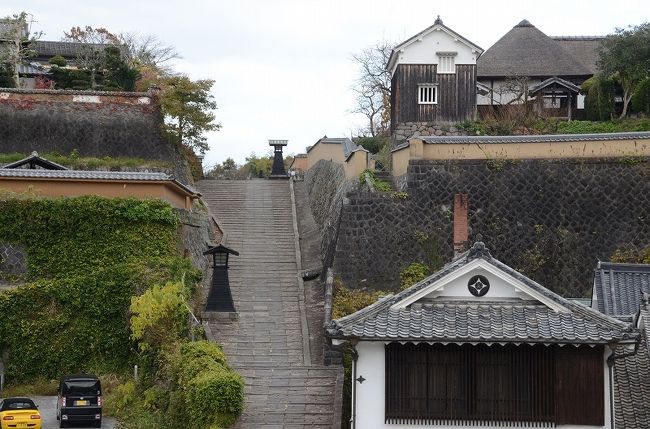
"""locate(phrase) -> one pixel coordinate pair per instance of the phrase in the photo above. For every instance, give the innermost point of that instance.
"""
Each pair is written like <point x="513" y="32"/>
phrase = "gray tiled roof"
<point x="551" y="80"/>
<point x="31" y="69"/>
<point x="620" y="287"/>
<point x="526" y="51"/>
<point x="631" y="383"/>
<point x="347" y="145"/>
<point x="92" y="175"/>
<point x="544" y="138"/>
<point x="70" y="50"/>
<point x="490" y="321"/>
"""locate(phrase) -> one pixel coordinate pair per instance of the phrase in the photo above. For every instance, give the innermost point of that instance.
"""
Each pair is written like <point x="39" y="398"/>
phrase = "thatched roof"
<point x="583" y="48"/>
<point x="526" y="51"/>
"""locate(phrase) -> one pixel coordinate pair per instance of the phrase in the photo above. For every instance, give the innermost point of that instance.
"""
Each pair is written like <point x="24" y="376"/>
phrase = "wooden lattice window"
<point x="452" y="384"/>
<point x="427" y="94"/>
<point x="446" y="62"/>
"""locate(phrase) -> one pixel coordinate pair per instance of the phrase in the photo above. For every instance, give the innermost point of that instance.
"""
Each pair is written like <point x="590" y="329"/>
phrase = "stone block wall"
<point x="13" y="259"/>
<point x="550" y="219"/>
<point x="94" y="124"/>
<point x="405" y="130"/>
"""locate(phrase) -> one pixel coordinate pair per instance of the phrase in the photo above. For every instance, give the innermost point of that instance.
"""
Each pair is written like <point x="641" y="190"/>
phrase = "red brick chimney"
<point x="460" y="224"/>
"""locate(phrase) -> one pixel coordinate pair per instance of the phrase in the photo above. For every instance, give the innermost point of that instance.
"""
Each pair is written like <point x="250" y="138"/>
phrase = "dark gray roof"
<point x="542" y="138"/>
<point x="70" y="50"/>
<point x="526" y="51"/>
<point x="632" y="384"/>
<point x="347" y="145"/>
<point x="491" y="321"/>
<point x="585" y="49"/>
<point x="93" y="175"/>
<point x="554" y="80"/>
<point x="619" y="288"/>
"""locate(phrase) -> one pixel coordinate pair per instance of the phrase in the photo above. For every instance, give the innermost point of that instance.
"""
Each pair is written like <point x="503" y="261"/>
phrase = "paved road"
<point x="286" y="387"/>
<point x="47" y="406"/>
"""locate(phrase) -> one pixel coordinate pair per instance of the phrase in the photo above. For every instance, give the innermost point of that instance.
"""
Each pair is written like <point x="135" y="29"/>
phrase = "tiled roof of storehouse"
<point x="619" y="288"/>
<point x="490" y="321"/>
<point x="631" y="383"/>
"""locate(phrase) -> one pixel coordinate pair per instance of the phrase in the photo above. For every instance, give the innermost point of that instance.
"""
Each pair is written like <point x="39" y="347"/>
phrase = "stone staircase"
<point x="385" y="176"/>
<point x="269" y="342"/>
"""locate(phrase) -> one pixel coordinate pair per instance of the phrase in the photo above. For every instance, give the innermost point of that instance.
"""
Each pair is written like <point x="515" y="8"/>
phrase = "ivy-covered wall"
<point x="550" y="219"/>
<point x="86" y="258"/>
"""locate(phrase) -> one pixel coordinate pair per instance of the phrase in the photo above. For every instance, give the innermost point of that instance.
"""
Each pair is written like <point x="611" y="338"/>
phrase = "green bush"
<point x="412" y="274"/>
<point x="215" y="397"/>
<point x="641" y="99"/>
<point x="58" y="60"/>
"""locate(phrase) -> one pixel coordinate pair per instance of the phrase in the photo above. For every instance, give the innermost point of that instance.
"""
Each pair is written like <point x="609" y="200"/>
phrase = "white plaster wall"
<point x="500" y="97"/>
<point x="424" y="51"/>
<point x="370" y="411"/>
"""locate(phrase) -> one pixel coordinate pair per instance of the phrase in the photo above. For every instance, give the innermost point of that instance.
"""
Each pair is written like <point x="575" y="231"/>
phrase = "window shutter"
<point x="579" y="386"/>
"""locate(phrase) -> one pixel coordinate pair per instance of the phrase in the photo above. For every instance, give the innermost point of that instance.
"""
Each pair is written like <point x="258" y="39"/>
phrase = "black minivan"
<point x="80" y="400"/>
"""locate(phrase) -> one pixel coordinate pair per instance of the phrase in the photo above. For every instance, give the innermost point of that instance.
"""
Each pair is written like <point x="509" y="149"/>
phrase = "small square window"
<point x="427" y="94"/>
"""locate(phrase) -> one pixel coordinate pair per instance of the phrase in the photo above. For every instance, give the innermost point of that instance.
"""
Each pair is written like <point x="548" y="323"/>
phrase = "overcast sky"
<point x="282" y="68"/>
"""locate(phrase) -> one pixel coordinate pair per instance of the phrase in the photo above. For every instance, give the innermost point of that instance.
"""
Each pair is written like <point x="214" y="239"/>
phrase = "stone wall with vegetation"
<point x="550" y="219"/>
<point x="87" y="124"/>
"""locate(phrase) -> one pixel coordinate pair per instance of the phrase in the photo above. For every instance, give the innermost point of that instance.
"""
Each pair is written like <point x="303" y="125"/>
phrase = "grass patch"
<point x="76" y="162"/>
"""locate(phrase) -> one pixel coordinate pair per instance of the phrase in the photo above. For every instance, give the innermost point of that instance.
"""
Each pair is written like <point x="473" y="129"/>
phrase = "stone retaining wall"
<point x="550" y="219"/>
<point x="90" y="123"/>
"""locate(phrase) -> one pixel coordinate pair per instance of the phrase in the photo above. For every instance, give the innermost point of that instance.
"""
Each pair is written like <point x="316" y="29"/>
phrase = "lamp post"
<point x="220" y="297"/>
<point x="278" y="171"/>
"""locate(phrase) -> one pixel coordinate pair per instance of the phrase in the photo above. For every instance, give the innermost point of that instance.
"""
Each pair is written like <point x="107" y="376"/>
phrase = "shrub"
<point x="215" y="397"/>
<point x="58" y="60"/>
<point x="412" y="274"/>
<point x="641" y="99"/>
<point x="599" y="103"/>
<point x="159" y="316"/>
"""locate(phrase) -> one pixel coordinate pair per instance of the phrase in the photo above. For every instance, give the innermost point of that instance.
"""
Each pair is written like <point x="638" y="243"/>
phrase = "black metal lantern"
<point x="220" y="297"/>
<point x="220" y="255"/>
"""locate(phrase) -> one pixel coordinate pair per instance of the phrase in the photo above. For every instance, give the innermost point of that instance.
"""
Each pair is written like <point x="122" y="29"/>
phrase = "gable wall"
<point x="424" y="52"/>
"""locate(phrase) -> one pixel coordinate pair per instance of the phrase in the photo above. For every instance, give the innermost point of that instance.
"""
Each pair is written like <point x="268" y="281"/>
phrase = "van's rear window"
<point x="82" y="387"/>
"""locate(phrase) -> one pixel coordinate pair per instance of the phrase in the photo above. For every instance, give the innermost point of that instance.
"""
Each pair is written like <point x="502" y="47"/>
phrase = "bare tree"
<point x="373" y="87"/>
<point x="148" y="51"/>
<point x="514" y="90"/>
<point x="91" y="54"/>
<point x="18" y="42"/>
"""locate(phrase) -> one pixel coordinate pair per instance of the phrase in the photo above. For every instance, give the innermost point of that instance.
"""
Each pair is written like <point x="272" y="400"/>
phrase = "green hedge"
<point x="214" y="394"/>
<point x="87" y="257"/>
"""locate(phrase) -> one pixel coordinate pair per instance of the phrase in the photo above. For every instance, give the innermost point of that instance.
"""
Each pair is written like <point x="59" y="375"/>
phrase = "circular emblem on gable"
<point x="478" y="286"/>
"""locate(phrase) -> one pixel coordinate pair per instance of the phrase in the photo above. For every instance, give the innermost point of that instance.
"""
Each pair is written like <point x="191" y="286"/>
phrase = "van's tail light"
<point x="63" y="401"/>
<point x="35" y="417"/>
<point x="8" y="418"/>
<point x="99" y="401"/>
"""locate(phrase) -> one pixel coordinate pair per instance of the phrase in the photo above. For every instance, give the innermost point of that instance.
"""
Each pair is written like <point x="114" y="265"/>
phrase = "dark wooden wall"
<point x="451" y="383"/>
<point x="456" y="94"/>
